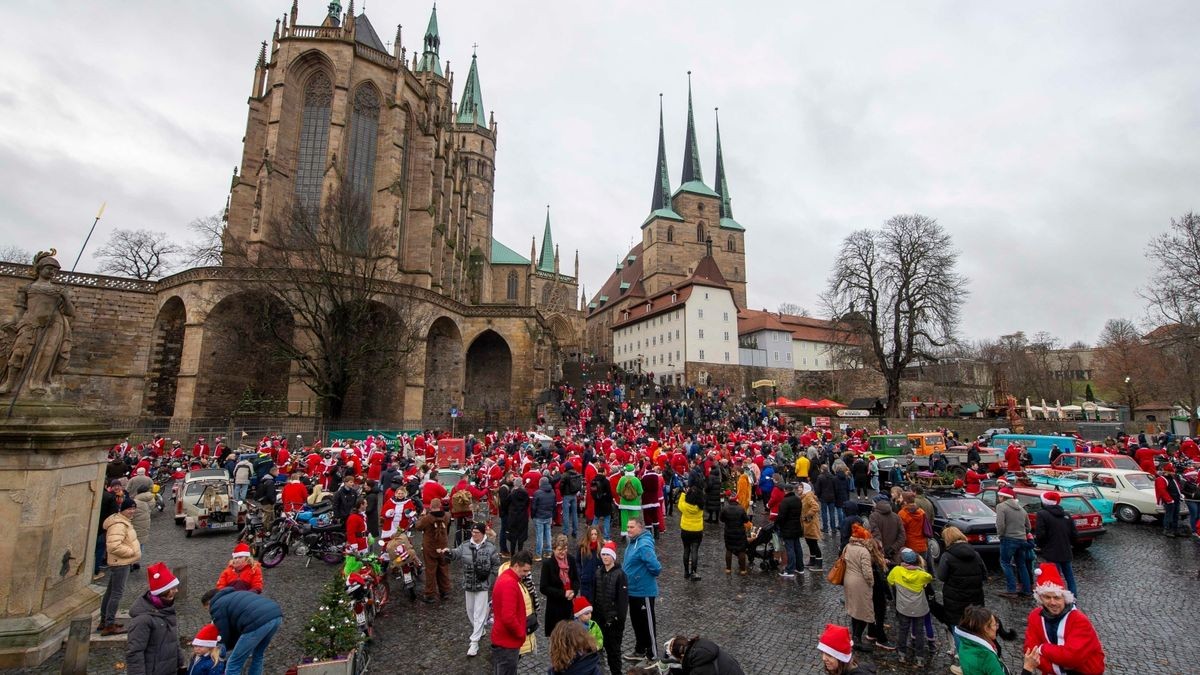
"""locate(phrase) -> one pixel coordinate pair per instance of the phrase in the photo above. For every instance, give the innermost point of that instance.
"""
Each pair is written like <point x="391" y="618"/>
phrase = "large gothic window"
<point x="700" y="232"/>
<point x="314" y="141"/>
<point x="512" y="285"/>
<point x="364" y="130"/>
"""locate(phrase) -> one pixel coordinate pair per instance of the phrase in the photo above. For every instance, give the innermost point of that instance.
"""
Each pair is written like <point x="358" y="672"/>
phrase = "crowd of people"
<point x="601" y="491"/>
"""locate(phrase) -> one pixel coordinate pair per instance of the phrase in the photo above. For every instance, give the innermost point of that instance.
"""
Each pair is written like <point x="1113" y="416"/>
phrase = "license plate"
<point x="993" y="539"/>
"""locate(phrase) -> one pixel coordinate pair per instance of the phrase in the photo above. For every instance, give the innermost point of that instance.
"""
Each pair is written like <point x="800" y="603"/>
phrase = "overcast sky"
<point x="1052" y="139"/>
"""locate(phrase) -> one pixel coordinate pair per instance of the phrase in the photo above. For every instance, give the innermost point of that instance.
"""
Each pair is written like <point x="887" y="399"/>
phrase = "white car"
<point x="1131" y="492"/>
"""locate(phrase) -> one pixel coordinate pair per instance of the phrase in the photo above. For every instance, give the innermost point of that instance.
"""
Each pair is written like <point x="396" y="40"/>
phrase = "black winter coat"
<point x="705" y="657"/>
<point x="584" y="664"/>
<point x="791" y="526"/>
<point x="825" y="487"/>
<point x="518" y="511"/>
<point x="735" y="518"/>
<point x="610" y="599"/>
<point x="1055" y="534"/>
<point x="543" y="503"/>
<point x="963" y="572"/>
<point x="153" y="646"/>
<point x="841" y="489"/>
<point x="238" y="612"/>
<point x="602" y="503"/>
<point x="558" y="607"/>
<point x="344" y="501"/>
<point x="712" y="490"/>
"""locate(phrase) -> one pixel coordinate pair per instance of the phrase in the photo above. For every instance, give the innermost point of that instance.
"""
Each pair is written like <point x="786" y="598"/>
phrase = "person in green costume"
<point x="629" y="496"/>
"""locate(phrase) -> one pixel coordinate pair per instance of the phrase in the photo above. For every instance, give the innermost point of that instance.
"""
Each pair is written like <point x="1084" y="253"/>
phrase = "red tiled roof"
<point x="706" y="274"/>
<point x="801" y="327"/>
<point x="630" y="273"/>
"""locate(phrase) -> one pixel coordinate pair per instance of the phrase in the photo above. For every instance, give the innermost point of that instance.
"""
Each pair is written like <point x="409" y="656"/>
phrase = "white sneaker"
<point x="473" y="649"/>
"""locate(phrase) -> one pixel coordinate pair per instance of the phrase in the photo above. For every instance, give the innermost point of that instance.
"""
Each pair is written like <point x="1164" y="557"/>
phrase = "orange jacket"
<point x="914" y="529"/>
<point x="251" y="575"/>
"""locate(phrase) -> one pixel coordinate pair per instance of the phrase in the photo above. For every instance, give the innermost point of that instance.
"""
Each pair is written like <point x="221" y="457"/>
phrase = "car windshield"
<point x="964" y="508"/>
<point x="890" y="443"/>
<point x="196" y="487"/>
<point x="1089" y="491"/>
<point x="1140" y="481"/>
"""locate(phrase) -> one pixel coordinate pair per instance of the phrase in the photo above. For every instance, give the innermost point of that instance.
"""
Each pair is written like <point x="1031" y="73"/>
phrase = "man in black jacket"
<point x="791" y="529"/>
<point x="345" y="499"/>
<point x="826" y="489"/>
<point x="1055" y="534"/>
<point x="611" y="605"/>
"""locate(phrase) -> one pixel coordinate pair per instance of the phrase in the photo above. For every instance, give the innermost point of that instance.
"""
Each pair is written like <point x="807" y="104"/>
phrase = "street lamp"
<point x="1129" y="395"/>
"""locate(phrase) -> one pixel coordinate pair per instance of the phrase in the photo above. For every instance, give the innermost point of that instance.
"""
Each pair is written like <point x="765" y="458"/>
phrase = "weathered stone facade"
<point x="331" y="107"/>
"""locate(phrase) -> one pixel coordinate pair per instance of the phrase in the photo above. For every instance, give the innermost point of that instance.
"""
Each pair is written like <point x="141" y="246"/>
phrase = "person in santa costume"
<point x="1057" y="632"/>
<point x="837" y="652"/>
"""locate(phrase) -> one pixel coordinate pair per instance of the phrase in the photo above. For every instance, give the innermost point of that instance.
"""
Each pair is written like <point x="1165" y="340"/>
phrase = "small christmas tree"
<point x="332" y="631"/>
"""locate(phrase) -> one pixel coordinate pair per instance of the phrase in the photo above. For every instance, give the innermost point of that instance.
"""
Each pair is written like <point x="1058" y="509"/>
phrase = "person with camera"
<point x="480" y="560"/>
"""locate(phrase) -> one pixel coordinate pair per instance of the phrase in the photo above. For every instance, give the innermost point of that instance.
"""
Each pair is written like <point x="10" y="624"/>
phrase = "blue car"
<point x="1079" y="487"/>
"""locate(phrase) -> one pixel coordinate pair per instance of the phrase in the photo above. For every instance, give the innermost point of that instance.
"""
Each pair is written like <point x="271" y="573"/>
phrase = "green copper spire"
<point x="691" y="154"/>
<point x="722" y="185"/>
<point x="470" y="108"/>
<point x="430" y="61"/>
<point x="546" y="258"/>
<point x="660" y="203"/>
<point x="335" y="9"/>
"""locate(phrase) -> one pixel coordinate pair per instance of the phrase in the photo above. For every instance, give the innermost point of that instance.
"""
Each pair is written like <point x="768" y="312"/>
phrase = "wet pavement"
<point x="1139" y="588"/>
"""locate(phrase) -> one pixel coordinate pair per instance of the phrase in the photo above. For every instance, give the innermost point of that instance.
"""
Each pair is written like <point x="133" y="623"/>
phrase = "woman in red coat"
<point x="1057" y="632"/>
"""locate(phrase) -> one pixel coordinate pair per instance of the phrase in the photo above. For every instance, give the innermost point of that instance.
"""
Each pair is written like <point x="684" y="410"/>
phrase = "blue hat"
<point x="908" y="556"/>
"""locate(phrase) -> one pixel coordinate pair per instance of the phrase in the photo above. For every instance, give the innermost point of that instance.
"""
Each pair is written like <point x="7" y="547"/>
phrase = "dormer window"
<point x="674" y="297"/>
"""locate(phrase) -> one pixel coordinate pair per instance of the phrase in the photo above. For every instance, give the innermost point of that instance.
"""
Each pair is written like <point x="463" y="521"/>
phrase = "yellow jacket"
<point x="802" y="465"/>
<point x="691" y="517"/>
<point x="743" y="491"/>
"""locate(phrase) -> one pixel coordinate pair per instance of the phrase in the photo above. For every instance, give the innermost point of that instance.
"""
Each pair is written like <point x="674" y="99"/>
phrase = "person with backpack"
<point x="629" y="492"/>
<point x="570" y="486"/>
<point x="462" y="508"/>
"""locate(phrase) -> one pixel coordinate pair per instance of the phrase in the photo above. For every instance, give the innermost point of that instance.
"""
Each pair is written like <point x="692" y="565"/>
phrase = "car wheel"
<point x="1127" y="514"/>
<point x="1083" y="545"/>
<point x="935" y="549"/>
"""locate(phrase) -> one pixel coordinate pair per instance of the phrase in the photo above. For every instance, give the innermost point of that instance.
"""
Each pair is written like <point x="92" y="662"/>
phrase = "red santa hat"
<point x="581" y="605"/>
<point x="836" y="642"/>
<point x="242" y="550"/>
<point x="208" y="636"/>
<point x="1049" y="580"/>
<point x="1051" y="498"/>
<point x="161" y="579"/>
<point x="610" y="550"/>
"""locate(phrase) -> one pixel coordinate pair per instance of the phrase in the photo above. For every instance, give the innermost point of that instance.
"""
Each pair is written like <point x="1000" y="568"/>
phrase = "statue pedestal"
<point x="52" y="462"/>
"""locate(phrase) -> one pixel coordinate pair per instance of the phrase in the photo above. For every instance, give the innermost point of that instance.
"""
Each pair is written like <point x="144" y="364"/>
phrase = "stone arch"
<point x="162" y="375"/>
<point x="489" y="375"/>
<point x="375" y="391"/>
<point x="443" y="372"/>
<point x="240" y="354"/>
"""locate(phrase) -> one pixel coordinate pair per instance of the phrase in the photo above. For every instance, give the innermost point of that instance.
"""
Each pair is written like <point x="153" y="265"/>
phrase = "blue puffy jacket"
<point x="237" y="612"/>
<point x="642" y="567"/>
<point x="542" y="505"/>
<point x="766" y="482"/>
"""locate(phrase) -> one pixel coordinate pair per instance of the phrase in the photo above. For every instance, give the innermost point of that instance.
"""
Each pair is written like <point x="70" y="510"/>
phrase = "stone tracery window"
<point x="314" y="140"/>
<point x="364" y="131"/>
<point x="512" y="285"/>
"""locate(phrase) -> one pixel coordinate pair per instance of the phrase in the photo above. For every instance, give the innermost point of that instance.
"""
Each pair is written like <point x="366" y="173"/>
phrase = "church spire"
<point x="691" y="154"/>
<point x="545" y="261"/>
<point x="722" y="185"/>
<point x="470" y="108"/>
<point x="430" y="61"/>
<point x="662" y="179"/>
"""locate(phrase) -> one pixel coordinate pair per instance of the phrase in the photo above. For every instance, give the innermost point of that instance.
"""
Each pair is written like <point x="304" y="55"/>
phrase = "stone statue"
<point x="40" y="336"/>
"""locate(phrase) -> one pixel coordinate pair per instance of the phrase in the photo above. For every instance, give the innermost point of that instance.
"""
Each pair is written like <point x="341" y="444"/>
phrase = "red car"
<point x="1070" y="461"/>
<point x="1089" y="523"/>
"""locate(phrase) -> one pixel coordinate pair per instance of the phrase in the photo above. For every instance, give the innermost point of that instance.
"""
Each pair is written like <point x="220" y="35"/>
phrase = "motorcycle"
<point x="404" y="565"/>
<point x="367" y="585"/>
<point x="253" y="533"/>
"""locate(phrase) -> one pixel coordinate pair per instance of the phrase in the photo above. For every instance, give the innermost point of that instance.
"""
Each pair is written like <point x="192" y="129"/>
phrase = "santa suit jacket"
<point x="1075" y="647"/>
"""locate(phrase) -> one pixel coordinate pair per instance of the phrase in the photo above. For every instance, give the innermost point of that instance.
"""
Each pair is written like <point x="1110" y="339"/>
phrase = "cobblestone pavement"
<point x="1136" y="586"/>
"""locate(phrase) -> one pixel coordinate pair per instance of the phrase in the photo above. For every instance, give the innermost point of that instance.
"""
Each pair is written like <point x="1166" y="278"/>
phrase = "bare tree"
<point x="330" y="272"/>
<point x="140" y="254"/>
<point x="15" y="254"/>
<point x="1173" y="304"/>
<point x="793" y="309"/>
<point x="1126" y="367"/>
<point x="207" y="249"/>
<point x="895" y="294"/>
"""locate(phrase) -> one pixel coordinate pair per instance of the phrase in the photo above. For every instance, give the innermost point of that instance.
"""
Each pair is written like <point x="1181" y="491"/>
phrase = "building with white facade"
<point x="773" y="340"/>
<point x="681" y="333"/>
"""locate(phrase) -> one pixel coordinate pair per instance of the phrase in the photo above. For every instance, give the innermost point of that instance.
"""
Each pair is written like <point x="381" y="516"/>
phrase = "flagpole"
<point x="89" y="235"/>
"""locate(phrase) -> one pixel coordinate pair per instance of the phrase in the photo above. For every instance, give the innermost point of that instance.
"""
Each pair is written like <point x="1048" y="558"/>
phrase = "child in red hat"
<point x="583" y="614"/>
<point x="207" y="652"/>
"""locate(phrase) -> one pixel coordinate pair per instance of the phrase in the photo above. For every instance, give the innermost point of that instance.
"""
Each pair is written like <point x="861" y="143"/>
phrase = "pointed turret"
<point x="470" y="108"/>
<point x="692" y="179"/>
<point x="660" y="202"/>
<point x="722" y="185"/>
<point x="430" y="61"/>
<point x="295" y="11"/>
<point x="545" y="261"/>
<point x="334" y="17"/>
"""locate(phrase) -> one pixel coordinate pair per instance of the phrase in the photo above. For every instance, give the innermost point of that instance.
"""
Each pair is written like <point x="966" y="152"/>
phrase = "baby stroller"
<point x="761" y="545"/>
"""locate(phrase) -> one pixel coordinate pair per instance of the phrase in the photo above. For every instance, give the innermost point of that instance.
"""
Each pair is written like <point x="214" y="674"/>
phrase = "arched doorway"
<point x="443" y="372"/>
<point x="240" y="355"/>
<point x="489" y="376"/>
<point x="162" y="376"/>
